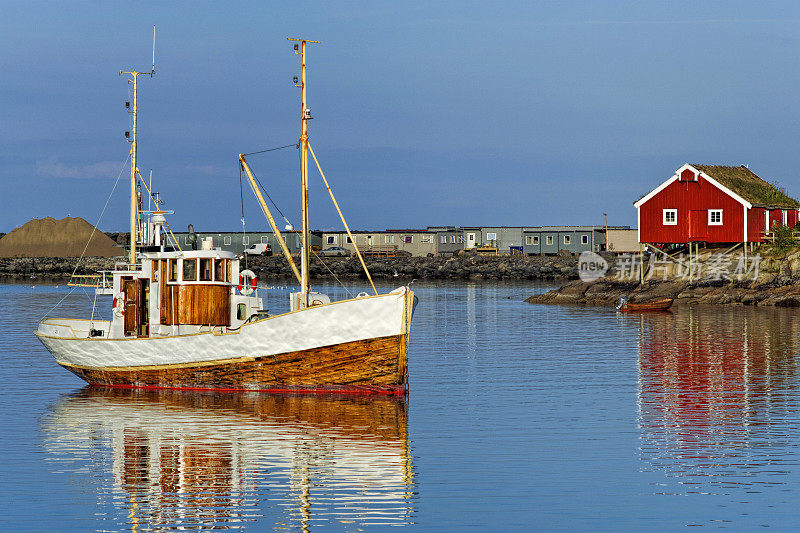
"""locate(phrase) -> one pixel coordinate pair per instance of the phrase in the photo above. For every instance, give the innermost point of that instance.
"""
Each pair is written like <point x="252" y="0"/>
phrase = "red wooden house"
<point x="713" y="204"/>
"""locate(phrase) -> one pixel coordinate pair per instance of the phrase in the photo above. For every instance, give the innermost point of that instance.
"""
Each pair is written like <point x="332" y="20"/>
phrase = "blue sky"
<point x="465" y="113"/>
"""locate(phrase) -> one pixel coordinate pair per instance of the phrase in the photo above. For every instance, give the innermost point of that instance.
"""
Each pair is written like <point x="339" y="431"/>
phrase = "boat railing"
<point x="102" y="282"/>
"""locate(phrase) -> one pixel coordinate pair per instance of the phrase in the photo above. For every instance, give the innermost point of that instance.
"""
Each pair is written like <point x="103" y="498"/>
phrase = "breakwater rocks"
<point x="776" y="283"/>
<point x="464" y="267"/>
<point x="52" y="268"/>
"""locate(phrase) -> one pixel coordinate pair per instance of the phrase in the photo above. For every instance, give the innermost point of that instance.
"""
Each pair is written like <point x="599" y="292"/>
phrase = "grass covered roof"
<point x="749" y="186"/>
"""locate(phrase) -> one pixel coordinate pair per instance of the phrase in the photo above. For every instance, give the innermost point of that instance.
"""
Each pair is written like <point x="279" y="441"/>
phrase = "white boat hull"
<point x="357" y="344"/>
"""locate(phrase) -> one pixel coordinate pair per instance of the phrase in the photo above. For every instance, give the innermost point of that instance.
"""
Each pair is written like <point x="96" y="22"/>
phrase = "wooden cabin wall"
<point x="129" y="287"/>
<point x="204" y="305"/>
<point x="165" y="309"/>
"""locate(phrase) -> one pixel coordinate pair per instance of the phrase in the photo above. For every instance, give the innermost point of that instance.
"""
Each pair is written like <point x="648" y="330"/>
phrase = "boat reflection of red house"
<point x="709" y="378"/>
<point x="714" y="204"/>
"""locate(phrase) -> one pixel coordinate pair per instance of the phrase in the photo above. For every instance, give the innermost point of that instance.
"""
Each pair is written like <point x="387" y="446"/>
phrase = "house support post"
<point x="641" y="264"/>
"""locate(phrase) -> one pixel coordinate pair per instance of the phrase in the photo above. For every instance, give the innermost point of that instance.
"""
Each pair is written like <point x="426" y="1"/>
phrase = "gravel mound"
<point x="48" y="237"/>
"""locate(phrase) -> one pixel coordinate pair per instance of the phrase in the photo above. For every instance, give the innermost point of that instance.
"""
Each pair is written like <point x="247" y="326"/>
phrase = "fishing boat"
<point x="193" y="319"/>
<point x="662" y="304"/>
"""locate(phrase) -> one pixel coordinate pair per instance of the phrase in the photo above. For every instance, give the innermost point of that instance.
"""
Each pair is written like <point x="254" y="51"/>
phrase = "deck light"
<point x="294" y="79"/>
<point x="296" y="47"/>
<point x="127" y="105"/>
<point x="127" y="135"/>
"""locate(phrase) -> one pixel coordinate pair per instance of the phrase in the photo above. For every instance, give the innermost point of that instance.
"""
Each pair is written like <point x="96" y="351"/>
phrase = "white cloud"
<point x="101" y="169"/>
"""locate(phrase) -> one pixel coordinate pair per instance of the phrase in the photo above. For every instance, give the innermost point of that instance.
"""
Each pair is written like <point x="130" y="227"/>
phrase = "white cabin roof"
<point x="190" y="254"/>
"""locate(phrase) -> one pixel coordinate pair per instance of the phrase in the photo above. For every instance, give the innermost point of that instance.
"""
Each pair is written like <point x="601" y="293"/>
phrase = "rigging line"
<point x="332" y="274"/>
<point x="241" y="190"/>
<point x="241" y="195"/>
<point x="272" y="149"/>
<point x="341" y="216"/>
<point x="94" y="229"/>
<point x="264" y="190"/>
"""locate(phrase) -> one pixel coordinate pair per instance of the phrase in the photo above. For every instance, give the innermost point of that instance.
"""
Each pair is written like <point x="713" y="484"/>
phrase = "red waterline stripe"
<point x="399" y="391"/>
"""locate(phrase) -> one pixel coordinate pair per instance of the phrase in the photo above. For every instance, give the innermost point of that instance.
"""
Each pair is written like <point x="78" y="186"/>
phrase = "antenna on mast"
<point x="136" y="204"/>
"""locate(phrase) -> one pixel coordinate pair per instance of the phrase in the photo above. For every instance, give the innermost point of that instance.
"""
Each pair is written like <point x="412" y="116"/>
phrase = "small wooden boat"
<point x="656" y="305"/>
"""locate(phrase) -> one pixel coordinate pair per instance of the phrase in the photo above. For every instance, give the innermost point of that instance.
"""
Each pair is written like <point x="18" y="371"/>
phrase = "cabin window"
<point x="584" y="239"/>
<point x="567" y="239"/>
<point x="190" y="270"/>
<point x="452" y="239"/>
<point x="173" y="270"/>
<point x="670" y="217"/>
<point x="264" y="239"/>
<point x="549" y="240"/>
<point x="425" y="239"/>
<point x="785" y="215"/>
<point x="491" y="236"/>
<point x="536" y="240"/>
<point x="408" y="239"/>
<point x="715" y="217"/>
<point x="219" y="270"/>
<point x="528" y="240"/>
<point x="349" y="240"/>
<point x="388" y="239"/>
<point x="245" y="240"/>
<point x="241" y="311"/>
<point x="330" y="239"/>
<point x="443" y="239"/>
<point x="205" y="269"/>
<point x="226" y="241"/>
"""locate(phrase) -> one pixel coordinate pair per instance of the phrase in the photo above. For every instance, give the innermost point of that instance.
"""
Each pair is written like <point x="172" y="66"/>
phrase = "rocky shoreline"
<point x="462" y="267"/>
<point x="777" y="283"/>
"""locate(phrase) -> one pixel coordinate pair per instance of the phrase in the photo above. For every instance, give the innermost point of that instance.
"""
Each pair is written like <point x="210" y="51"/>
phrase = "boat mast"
<point x="305" y="117"/>
<point x="135" y="200"/>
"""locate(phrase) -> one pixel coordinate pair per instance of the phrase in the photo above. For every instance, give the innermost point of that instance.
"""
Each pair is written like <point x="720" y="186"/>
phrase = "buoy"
<point x="246" y="287"/>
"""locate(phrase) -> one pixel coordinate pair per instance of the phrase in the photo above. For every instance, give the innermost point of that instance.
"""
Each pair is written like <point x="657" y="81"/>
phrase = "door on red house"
<point x="698" y="225"/>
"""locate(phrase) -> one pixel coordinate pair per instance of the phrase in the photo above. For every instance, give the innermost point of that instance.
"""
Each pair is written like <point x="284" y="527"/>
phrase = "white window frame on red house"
<point x="712" y="218"/>
<point x="785" y="215"/>
<point x="674" y="213"/>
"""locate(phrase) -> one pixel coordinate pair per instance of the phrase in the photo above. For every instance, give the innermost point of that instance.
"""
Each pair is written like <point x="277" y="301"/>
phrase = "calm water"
<point x="519" y="417"/>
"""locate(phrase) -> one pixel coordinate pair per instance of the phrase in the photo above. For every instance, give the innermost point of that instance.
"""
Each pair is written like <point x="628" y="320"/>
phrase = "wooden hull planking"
<point x="657" y="305"/>
<point x="375" y="366"/>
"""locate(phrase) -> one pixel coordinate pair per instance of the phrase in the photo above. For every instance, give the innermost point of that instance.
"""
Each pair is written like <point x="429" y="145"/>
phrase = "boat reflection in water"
<point x="166" y="459"/>
<point x="718" y="390"/>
